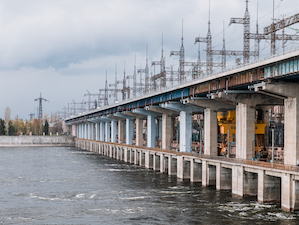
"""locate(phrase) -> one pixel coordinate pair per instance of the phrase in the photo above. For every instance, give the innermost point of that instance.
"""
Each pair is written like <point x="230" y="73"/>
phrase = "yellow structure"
<point x="227" y="125"/>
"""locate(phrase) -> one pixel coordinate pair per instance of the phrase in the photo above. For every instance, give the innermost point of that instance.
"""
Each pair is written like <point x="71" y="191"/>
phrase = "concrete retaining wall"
<point x="12" y="141"/>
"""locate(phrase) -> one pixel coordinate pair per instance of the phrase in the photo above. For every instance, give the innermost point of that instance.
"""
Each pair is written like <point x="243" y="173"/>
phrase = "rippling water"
<point x="70" y="186"/>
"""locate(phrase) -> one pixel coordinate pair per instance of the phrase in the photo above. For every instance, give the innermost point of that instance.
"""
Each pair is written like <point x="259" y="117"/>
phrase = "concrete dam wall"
<point x="7" y="141"/>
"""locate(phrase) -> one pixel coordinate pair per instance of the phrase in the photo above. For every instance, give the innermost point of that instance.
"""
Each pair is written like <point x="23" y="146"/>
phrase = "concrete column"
<point x="129" y="131"/>
<point x="218" y="176"/>
<point x="107" y="131"/>
<point x="82" y="131"/>
<point x="121" y="131"/>
<point x="151" y="131"/>
<point x="113" y="131"/>
<point x="204" y="173"/>
<point x="291" y="131"/>
<point x="91" y="131"/>
<point x="102" y="131"/>
<point x="136" y="158"/>
<point x="132" y="156"/>
<point x="162" y="163"/>
<point x="139" y="131"/>
<point x="185" y="131"/>
<point x="125" y="154"/>
<point x="210" y="132"/>
<point x="147" y="159"/>
<point x="166" y="131"/>
<point x="97" y="132"/>
<point x="261" y="184"/>
<point x="159" y="120"/>
<point x="86" y="131"/>
<point x="286" y="191"/>
<point x="245" y="131"/>
<point x="237" y="180"/>
<point x="295" y="195"/>
<point x="79" y="131"/>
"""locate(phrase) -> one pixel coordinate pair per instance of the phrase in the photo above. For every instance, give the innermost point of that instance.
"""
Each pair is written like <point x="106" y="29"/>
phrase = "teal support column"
<point x="97" y="127"/>
<point x="102" y="131"/>
<point x="107" y="131"/>
<point x="151" y="131"/>
<point x="186" y="131"/>
<point x="85" y="131"/>
<point x="113" y="131"/>
<point x="185" y="122"/>
<point x="129" y="131"/>
<point x="159" y="129"/>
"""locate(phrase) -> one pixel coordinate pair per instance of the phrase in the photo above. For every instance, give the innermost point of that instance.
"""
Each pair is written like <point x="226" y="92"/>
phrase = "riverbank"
<point x="14" y="141"/>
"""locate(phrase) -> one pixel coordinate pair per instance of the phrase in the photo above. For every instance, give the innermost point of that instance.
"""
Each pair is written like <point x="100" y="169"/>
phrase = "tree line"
<point x="20" y="127"/>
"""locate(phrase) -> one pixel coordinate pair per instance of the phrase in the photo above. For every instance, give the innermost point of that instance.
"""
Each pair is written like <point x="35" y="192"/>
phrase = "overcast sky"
<point x="62" y="48"/>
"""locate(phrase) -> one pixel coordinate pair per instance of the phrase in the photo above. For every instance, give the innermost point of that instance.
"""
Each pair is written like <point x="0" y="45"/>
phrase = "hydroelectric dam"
<point x="157" y="130"/>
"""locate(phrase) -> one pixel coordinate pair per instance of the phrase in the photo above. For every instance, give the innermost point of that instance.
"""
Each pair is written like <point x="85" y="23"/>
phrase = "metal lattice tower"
<point x="125" y="90"/>
<point x="146" y="73"/>
<point x="208" y="41"/>
<point x="146" y="78"/>
<point x="97" y="102"/>
<point x="181" y="53"/>
<point x="162" y="74"/>
<point x="223" y="56"/>
<point x="40" y="106"/>
<point x="135" y="84"/>
<point x="257" y="39"/>
<point x="105" y="91"/>
<point x="78" y="106"/>
<point x="285" y="22"/>
<point x="209" y="47"/>
<point x="246" y="27"/>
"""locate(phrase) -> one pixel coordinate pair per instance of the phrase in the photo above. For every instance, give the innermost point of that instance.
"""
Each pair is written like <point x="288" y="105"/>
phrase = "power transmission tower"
<point x="96" y="102"/>
<point x="137" y="87"/>
<point x="40" y="107"/>
<point x="181" y="53"/>
<point x="115" y="90"/>
<point x="80" y="106"/>
<point x="280" y="25"/>
<point x="162" y="74"/>
<point x="246" y="26"/>
<point x="146" y="73"/>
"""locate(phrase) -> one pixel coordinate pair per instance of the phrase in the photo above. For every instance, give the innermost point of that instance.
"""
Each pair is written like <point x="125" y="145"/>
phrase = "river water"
<point x="58" y="185"/>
